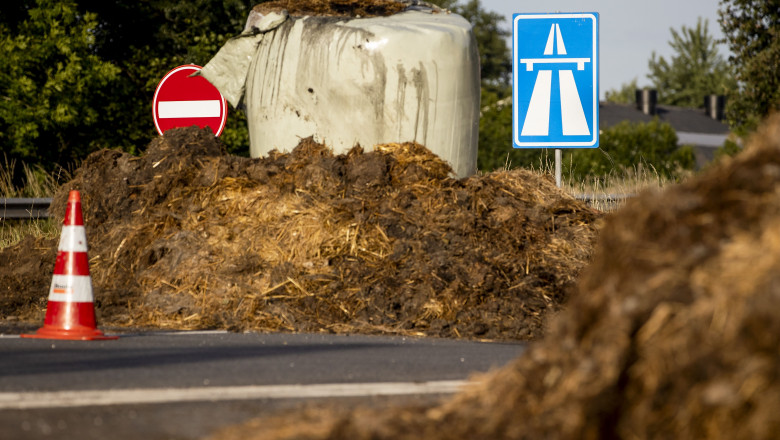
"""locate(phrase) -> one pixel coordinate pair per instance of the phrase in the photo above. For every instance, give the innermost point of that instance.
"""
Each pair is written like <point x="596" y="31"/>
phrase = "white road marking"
<point x="189" y="109"/>
<point x="187" y="332"/>
<point x="65" y="399"/>
<point x="164" y="333"/>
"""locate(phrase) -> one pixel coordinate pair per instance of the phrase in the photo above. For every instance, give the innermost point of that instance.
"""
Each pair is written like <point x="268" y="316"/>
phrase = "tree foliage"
<point x="694" y="71"/>
<point x="625" y="95"/>
<point x="495" y="61"/>
<point x="495" y="132"/>
<point x="149" y="38"/>
<point x="652" y="145"/>
<point x="79" y="75"/>
<point x="752" y="29"/>
<point x="52" y="84"/>
<point x="495" y="124"/>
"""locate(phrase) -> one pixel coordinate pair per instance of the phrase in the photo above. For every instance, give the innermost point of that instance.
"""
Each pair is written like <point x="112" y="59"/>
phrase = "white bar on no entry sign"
<point x="189" y="109"/>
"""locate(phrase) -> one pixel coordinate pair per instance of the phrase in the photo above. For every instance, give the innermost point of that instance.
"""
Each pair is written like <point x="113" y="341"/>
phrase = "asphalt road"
<point x="185" y="385"/>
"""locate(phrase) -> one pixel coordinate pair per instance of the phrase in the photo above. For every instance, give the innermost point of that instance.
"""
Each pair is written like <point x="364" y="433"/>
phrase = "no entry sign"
<point x="181" y="101"/>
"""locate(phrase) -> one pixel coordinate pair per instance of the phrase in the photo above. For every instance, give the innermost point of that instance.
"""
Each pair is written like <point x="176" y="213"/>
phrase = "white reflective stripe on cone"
<point x="73" y="239"/>
<point x="71" y="288"/>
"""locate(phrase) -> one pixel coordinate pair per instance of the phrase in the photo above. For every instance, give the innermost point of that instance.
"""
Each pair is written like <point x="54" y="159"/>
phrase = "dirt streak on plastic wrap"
<point x="188" y="237"/>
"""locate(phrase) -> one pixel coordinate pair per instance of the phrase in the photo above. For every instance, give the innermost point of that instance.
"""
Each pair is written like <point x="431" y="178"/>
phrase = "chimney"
<point x="714" y="105"/>
<point x="646" y="100"/>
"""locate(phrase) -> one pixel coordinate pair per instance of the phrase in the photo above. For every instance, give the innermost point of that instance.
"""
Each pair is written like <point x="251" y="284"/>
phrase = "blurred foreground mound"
<point x="187" y="237"/>
<point x="673" y="333"/>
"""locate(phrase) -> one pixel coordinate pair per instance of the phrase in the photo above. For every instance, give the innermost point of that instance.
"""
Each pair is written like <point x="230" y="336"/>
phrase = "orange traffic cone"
<point x="70" y="312"/>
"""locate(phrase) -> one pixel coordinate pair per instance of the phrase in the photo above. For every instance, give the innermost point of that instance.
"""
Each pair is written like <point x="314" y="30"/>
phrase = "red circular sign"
<point x="181" y="101"/>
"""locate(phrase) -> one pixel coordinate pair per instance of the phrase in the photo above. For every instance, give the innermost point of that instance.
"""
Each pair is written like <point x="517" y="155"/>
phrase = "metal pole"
<point x="558" y="166"/>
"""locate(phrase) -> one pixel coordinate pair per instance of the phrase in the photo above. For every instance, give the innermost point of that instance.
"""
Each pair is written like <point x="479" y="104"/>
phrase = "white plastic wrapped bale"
<point x="412" y="76"/>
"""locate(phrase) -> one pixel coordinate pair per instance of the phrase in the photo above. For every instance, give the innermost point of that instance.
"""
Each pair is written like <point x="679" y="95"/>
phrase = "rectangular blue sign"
<point x="555" y="73"/>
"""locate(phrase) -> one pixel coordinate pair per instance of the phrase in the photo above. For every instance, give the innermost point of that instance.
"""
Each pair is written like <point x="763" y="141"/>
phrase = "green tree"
<point x="752" y="29"/>
<point x="495" y="124"/>
<point x="652" y="145"/>
<point x="79" y="75"/>
<point x="626" y="94"/>
<point x="117" y="52"/>
<point x="693" y="72"/>
<point x="495" y="61"/>
<point x="147" y="39"/>
<point x="52" y="85"/>
<point x="627" y="145"/>
<point x="495" y="133"/>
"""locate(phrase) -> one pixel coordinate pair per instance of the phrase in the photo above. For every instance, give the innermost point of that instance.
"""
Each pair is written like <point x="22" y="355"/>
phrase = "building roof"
<point x="683" y="120"/>
<point x="611" y="114"/>
<point x="693" y="126"/>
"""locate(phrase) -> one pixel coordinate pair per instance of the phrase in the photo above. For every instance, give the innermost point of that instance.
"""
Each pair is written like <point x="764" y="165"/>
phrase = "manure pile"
<point x="673" y="331"/>
<point x="188" y="237"/>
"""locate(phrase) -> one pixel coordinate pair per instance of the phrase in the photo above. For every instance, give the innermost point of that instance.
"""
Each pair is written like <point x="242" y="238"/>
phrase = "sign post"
<point x="555" y="76"/>
<point x="182" y="100"/>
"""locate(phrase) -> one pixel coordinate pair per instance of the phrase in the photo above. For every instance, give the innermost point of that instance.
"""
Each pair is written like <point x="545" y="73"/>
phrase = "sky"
<point x="629" y="30"/>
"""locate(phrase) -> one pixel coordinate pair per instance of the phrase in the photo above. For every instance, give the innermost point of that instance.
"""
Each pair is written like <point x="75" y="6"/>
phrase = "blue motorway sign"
<point x="555" y="85"/>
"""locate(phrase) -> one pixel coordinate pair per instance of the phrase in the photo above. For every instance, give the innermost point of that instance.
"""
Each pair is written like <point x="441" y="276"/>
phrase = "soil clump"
<point x="672" y="332"/>
<point x="188" y="237"/>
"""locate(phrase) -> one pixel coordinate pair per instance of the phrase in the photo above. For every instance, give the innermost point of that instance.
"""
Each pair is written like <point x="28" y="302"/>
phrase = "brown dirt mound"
<point x="186" y="236"/>
<point x="673" y="332"/>
<point x="23" y="289"/>
<point x="334" y="8"/>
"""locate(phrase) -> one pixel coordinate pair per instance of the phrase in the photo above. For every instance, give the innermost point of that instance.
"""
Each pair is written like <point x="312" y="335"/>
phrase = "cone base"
<point x="73" y="334"/>
<point x="69" y="320"/>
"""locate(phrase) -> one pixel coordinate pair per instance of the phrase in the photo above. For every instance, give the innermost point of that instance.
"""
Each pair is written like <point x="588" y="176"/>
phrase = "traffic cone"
<point x="70" y="312"/>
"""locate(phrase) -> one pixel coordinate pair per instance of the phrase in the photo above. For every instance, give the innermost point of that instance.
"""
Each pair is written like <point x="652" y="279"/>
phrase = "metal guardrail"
<point x="21" y="209"/>
<point x="605" y="198"/>
<point x="604" y="202"/>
